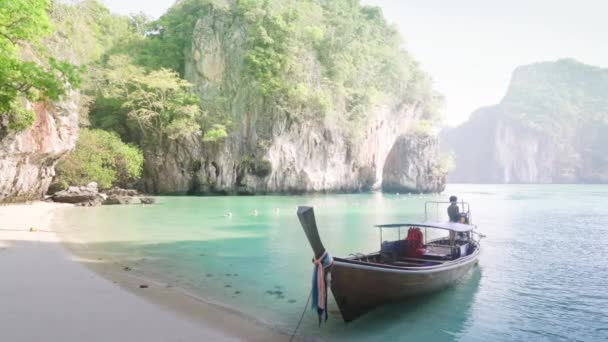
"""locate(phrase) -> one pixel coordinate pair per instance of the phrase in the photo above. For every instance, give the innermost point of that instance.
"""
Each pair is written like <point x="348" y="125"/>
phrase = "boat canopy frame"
<point x="452" y="226"/>
<point x="449" y="226"/>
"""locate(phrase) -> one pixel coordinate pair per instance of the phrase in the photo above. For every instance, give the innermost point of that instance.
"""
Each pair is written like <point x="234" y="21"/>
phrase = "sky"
<point x="471" y="47"/>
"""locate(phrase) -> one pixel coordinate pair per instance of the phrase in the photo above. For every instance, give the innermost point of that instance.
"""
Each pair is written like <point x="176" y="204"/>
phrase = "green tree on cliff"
<point x="25" y="71"/>
<point x="158" y="104"/>
<point x="358" y="53"/>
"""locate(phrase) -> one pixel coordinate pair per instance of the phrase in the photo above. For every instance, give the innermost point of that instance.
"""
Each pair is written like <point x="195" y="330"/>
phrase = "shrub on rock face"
<point x="262" y="168"/>
<point x="100" y="157"/>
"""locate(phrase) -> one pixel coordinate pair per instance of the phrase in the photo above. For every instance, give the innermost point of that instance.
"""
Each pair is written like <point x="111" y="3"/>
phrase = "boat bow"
<point x="309" y="224"/>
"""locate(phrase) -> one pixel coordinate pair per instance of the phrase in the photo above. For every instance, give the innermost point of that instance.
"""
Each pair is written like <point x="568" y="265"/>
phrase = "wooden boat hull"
<point x="360" y="287"/>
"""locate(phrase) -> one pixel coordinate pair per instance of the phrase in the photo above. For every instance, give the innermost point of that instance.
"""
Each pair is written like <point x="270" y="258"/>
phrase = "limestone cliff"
<point x="413" y="165"/>
<point x="28" y="158"/>
<point x="550" y="128"/>
<point x="283" y="143"/>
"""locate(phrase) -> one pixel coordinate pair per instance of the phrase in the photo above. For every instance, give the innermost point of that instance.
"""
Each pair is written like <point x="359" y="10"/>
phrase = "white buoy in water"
<point x="255" y="212"/>
<point x="228" y="214"/>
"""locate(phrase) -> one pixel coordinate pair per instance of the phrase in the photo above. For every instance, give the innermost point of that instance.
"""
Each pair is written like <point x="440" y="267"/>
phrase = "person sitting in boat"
<point x="453" y="210"/>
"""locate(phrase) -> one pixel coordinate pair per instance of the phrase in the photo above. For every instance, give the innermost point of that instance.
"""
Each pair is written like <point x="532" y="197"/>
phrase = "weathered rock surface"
<point x="83" y="195"/>
<point x="125" y="196"/>
<point x="412" y="166"/>
<point x="118" y="196"/>
<point x="121" y="192"/>
<point x="147" y="200"/>
<point x="115" y="199"/>
<point x="28" y="158"/>
<point x="90" y="196"/>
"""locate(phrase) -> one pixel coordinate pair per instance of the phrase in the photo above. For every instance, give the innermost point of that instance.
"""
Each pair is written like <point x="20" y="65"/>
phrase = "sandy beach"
<point x="49" y="294"/>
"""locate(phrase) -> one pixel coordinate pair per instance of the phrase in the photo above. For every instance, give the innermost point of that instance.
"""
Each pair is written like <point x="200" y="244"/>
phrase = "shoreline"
<point x="176" y="298"/>
<point x="174" y="308"/>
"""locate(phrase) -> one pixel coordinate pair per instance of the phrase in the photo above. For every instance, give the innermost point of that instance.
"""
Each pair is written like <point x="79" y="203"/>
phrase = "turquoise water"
<point x="542" y="275"/>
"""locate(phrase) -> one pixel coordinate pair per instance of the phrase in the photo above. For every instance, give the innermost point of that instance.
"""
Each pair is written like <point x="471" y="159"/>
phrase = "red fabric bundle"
<point x="415" y="243"/>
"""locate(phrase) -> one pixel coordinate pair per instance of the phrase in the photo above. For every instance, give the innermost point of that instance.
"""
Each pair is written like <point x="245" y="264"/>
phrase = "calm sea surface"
<point x="542" y="275"/>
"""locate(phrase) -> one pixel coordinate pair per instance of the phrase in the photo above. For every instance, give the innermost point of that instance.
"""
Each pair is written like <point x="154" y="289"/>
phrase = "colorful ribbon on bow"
<point x="319" y="284"/>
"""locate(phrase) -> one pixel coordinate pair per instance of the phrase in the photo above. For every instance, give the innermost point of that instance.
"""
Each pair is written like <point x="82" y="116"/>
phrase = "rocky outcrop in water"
<point x="80" y="195"/>
<point x="412" y="166"/>
<point x="551" y="127"/>
<point x="277" y="144"/>
<point x="28" y="158"/>
<point x="125" y="196"/>
<point x="90" y="196"/>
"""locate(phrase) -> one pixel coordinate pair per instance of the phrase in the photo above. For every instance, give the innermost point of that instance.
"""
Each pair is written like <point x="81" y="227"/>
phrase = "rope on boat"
<point x="319" y="285"/>
<point x="301" y="317"/>
<point x="318" y="293"/>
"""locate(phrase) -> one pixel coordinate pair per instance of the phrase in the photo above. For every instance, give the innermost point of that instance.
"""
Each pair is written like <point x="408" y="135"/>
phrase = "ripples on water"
<point x="542" y="275"/>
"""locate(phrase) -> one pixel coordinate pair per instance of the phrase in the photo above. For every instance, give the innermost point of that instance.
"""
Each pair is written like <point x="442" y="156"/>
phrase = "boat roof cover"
<point x="457" y="227"/>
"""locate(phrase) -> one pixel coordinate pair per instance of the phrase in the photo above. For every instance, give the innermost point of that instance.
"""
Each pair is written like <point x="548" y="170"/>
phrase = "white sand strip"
<point x="47" y="296"/>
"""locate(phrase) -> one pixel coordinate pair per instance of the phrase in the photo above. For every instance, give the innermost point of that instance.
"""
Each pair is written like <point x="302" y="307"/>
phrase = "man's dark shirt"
<point x="454" y="213"/>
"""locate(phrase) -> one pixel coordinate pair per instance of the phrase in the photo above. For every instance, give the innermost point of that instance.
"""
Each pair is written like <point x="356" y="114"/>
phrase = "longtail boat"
<point x="409" y="267"/>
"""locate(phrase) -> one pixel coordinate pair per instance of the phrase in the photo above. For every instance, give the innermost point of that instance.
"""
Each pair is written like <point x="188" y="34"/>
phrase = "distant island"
<point x="551" y="127"/>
